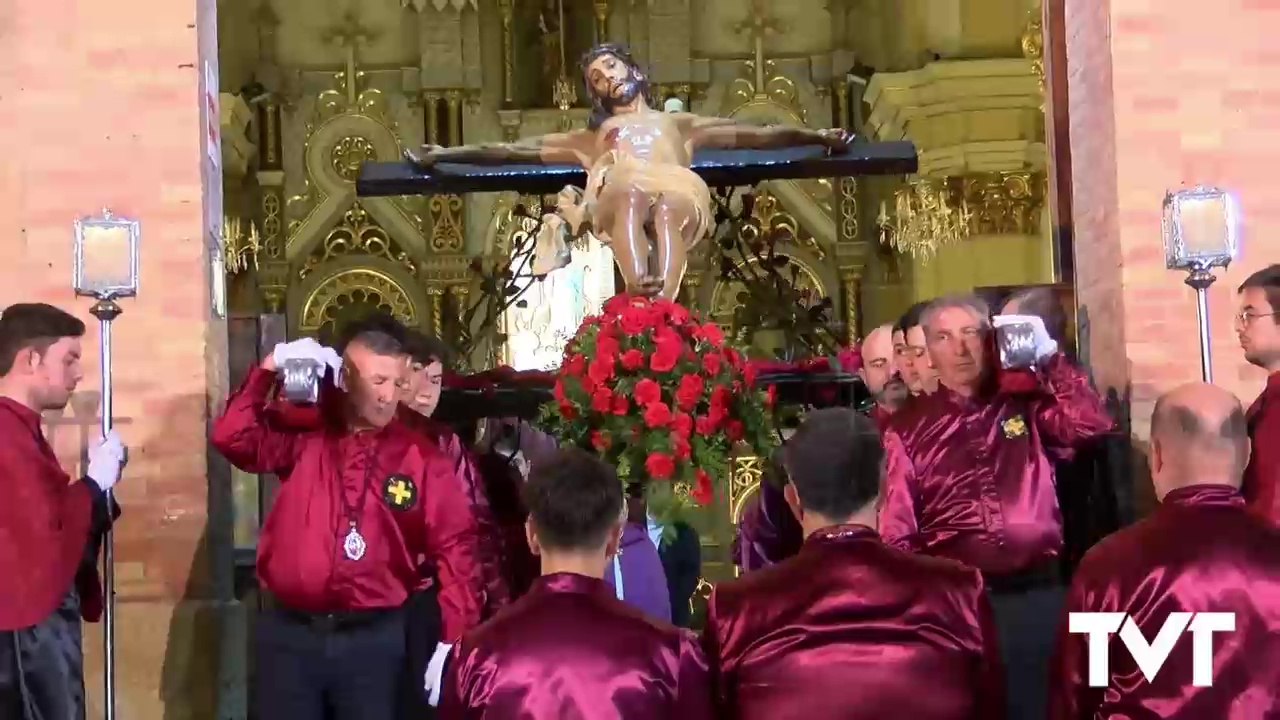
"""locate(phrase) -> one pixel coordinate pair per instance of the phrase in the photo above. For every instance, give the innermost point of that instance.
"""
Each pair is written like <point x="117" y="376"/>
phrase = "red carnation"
<point x="664" y="358"/>
<point x="703" y="425"/>
<point x="620" y="404"/>
<point x="601" y="440"/>
<point x="575" y="364"/>
<point x="689" y="392"/>
<point x="635" y="320"/>
<point x="632" y="359"/>
<point x="711" y="364"/>
<point x="657" y="415"/>
<point x="733" y="430"/>
<point x="710" y="332"/>
<point x="659" y="465"/>
<point x="607" y="345"/>
<point x="647" y="391"/>
<point x="683" y="424"/>
<point x="601" y="368"/>
<point x="702" y="490"/>
<point x="602" y="400"/>
<point x="680" y="447"/>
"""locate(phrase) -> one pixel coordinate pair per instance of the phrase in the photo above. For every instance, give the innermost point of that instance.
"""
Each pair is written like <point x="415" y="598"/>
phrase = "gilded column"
<point x="273" y="271"/>
<point x="460" y="293"/>
<point x="842" y="102"/>
<point x="508" y="16"/>
<point x="433" y="118"/>
<point x="602" y="20"/>
<point x="849" y="281"/>
<point x="435" y="301"/>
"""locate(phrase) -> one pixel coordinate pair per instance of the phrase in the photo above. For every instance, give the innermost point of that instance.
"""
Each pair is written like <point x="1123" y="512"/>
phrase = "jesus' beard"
<point x="627" y="92"/>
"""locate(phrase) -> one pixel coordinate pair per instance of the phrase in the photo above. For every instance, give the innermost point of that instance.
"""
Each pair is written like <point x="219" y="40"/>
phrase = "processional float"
<point x="106" y="269"/>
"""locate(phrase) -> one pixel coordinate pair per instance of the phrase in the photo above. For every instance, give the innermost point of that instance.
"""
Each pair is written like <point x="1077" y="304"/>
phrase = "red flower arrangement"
<point x="655" y="390"/>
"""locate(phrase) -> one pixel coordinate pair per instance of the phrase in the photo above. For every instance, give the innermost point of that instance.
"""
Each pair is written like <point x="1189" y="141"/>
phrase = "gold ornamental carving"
<point x="848" y="210"/>
<point x="357" y="234"/>
<point x="359" y="288"/>
<point x="272" y="242"/>
<point x="770" y="222"/>
<point x="849" y="282"/>
<point x="744" y="481"/>
<point x="1033" y="46"/>
<point x="446" y="223"/>
<point x="1005" y="203"/>
<point x="348" y="154"/>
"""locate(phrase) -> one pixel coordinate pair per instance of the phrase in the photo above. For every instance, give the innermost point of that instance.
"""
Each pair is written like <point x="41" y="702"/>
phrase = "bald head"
<point x="1198" y="436"/>
<point x="879" y="368"/>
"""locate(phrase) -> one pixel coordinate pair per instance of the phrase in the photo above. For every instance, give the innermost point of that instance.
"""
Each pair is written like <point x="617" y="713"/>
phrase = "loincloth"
<point x="653" y="179"/>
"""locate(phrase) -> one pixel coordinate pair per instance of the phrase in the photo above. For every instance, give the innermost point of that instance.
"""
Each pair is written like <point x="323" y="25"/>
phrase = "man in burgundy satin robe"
<point x="1258" y="328"/>
<point x="362" y="500"/>
<point x="1200" y="551"/>
<point x="50" y="524"/>
<point x="969" y="478"/>
<point x="767" y="532"/>
<point x="569" y="648"/>
<point x="851" y="628"/>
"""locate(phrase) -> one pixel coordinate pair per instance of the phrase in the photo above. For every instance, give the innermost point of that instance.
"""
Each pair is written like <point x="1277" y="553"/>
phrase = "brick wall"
<point x="100" y="107"/>
<point x="1161" y="95"/>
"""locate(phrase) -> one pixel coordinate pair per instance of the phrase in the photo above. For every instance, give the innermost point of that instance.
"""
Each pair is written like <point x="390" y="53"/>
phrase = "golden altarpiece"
<point x="325" y="87"/>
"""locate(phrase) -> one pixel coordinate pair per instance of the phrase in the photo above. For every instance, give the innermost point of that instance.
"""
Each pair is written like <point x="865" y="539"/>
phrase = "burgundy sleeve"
<point x="453" y="547"/>
<point x="693" y="682"/>
<point x="1073" y="412"/>
<point x="497" y="594"/>
<point x="898" y="522"/>
<point x="243" y="435"/>
<point x="1069" y="693"/>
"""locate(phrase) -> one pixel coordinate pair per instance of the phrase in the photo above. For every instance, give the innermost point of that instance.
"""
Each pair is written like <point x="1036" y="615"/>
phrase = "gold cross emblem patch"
<point x="399" y="493"/>
<point x="1014" y="427"/>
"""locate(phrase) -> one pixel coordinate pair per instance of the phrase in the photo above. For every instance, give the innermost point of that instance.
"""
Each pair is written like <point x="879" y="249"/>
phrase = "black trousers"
<point x="344" y="667"/>
<point x="1027" y="624"/>
<point x="423" y="627"/>
<point x="42" y="668"/>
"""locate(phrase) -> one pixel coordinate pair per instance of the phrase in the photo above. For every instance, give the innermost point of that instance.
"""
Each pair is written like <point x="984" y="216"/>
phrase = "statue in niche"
<point x="641" y="197"/>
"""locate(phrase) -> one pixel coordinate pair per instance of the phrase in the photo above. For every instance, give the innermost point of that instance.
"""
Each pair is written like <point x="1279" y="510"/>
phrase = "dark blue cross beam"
<point x="719" y="168"/>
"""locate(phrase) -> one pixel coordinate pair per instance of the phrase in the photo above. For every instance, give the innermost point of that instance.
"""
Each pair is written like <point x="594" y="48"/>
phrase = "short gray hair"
<point x="970" y="302"/>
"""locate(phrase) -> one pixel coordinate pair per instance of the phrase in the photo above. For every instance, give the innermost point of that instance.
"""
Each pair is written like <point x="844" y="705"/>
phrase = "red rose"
<point x="664" y="358"/>
<point x="567" y="412"/>
<point x="683" y="424"/>
<point x="620" y="404"/>
<point x="733" y="430"/>
<point x="575" y="364"/>
<point x="659" y="465"/>
<point x="720" y="396"/>
<point x="680" y="447"/>
<point x="558" y="392"/>
<point x="657" y="415"/>
<point x="632" y="359"/>
<point x="601" y="440"/>
<point x="602" y="400"/>
<point x="689" y="392"/>
<point x="601" y="368"/>
<point x="617" y="304"/>
<point x="702" y="492"/>
<point x="647" y="391"/>
<point x="711" y="364"/>
<point x="704" y="425"/>
<point x="717" y="414"/>
<point x="678" y="314"/>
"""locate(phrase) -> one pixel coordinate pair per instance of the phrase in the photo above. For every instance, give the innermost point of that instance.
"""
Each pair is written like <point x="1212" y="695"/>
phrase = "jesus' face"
<point x="613" y="81"/>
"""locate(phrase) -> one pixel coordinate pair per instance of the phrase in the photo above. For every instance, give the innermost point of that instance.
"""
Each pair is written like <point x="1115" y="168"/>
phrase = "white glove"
<point x="1045" y="345"/>
<point x="433" y="679"/>
<point x="106" y="459"/>
<point x="307" y="349"/>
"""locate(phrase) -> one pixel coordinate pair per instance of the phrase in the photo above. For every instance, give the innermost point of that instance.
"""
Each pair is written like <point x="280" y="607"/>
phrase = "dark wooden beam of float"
<point x="719" y="168"/>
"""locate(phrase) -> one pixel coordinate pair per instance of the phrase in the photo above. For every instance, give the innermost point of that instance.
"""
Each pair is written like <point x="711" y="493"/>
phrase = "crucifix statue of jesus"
<point x="641" y="197"/>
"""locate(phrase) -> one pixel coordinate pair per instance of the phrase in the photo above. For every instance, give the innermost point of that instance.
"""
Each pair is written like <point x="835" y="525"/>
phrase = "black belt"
<point x="339" y="621"/>
<point x="1043" y="574"/>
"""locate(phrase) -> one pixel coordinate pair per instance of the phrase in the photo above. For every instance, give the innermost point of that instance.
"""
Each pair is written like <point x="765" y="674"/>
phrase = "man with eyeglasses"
<point x="1258" y="328"/>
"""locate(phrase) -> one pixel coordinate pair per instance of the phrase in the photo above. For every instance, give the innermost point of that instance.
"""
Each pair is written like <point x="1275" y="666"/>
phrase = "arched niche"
<point x="344" y="289"/>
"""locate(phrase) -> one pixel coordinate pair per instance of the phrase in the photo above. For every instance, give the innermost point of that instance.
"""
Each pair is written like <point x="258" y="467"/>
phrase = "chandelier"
<point x="239" y="247"/>
<point x="926" y="216"/>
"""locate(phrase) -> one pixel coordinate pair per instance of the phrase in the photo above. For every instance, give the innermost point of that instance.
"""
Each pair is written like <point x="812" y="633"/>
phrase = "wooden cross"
<point x="759" y="25"/>
<point x="348" y="35"/>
